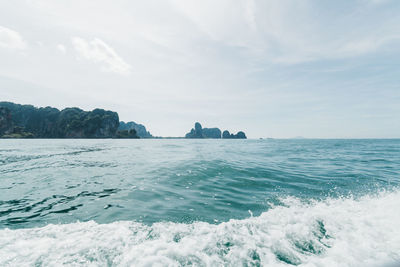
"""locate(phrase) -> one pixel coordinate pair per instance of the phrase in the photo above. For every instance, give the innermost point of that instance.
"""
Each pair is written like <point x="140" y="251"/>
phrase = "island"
<point x="199" y="132"/>
<point x="27" y="121"/>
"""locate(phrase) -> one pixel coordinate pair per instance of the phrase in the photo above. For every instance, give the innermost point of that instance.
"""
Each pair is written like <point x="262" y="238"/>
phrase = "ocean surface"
<point x="199" y="202"/>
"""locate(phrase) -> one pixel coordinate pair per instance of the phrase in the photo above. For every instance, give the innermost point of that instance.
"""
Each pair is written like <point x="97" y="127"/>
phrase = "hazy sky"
<point x="273" y="68"/>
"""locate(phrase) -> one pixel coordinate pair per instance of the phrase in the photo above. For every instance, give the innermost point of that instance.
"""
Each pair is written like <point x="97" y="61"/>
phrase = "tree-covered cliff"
<point x="139" y="128"/>
<point x="6" y="125"/>
<point x="28" y="121"/>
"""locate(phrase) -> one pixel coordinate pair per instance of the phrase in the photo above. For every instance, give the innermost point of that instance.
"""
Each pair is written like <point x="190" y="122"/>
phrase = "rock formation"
<point x="139" y="128"/>
<point x="212" y="133"/>
<point x="227" y="135"/>
<point x="196" y="132"/>
<point x="199" y="132"/>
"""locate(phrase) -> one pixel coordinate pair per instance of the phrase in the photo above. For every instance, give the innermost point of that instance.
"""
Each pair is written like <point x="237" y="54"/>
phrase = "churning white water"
<point x="333" y="232"/>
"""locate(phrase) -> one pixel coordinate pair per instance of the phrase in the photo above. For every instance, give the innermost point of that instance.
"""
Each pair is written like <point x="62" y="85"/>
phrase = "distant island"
<point x="27" y="121"/>
<point x="199" y="132"/>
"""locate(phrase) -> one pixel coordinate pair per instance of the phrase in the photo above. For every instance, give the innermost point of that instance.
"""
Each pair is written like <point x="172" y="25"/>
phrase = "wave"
<point x="333" y="232"/>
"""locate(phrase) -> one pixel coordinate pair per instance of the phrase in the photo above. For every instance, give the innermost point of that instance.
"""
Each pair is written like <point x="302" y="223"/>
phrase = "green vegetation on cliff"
<point x="139" y="128"/>
<point x="127" y="134"/>
<point x="24" y="121"/>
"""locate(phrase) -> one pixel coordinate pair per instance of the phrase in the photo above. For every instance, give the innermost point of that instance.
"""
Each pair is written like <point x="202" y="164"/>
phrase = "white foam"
<point x="335" y="232"/>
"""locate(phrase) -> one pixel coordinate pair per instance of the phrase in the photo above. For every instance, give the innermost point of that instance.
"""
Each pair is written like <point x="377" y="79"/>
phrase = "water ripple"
<point x="149" y="181"/>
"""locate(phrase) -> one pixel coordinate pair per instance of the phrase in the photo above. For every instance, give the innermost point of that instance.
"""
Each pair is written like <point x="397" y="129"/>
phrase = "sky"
<point x="271" y="68"/>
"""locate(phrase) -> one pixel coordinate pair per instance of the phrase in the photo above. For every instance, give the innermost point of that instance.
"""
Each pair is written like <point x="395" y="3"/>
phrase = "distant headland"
<point x="27" y="121"/>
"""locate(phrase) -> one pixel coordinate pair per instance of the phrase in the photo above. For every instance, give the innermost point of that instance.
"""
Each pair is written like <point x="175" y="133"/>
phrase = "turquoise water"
<point x="200" y="202"/>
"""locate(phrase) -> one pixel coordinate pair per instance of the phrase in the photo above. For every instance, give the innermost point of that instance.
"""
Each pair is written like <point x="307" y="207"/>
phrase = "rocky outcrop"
<point x="139" y="128"/>
<point x="199" y="132"/>
<point x="196" y="132"/>
<point x="227" y="135"/>
<point x="241" y="135"/>
<point x="50" y="122"/>
<point x="212" y="133"/>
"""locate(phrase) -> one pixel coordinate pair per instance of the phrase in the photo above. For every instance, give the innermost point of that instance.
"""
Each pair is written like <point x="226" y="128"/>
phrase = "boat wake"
<point x="332" y="232"/>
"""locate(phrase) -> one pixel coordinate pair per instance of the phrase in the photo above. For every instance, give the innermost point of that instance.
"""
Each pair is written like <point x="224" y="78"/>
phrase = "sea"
<point x="199" y="202"/>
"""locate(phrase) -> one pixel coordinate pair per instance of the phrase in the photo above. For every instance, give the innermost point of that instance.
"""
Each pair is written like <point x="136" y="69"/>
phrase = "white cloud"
<point x="378" y="1"/>
<point x="366" y="45"/>
<point x="11" y="39"/>
<point x="98" y="51"/>
<point x="290" y="32"/>
<point x="61" y="48"/>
